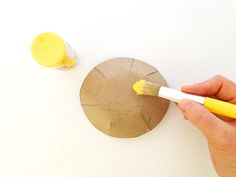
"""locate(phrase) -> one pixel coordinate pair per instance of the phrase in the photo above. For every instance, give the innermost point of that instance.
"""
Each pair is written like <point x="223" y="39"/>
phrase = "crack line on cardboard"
<point x="154" y="72"/>
<point x="146" y="123"/>
<point x="100" y="72"/>
<point x="131" y="65"/>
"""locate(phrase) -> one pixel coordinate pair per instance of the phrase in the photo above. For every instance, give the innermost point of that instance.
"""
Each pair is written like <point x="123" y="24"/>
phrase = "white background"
<point x="43" y="130"/>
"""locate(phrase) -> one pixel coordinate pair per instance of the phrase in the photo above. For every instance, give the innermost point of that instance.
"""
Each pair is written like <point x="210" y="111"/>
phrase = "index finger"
<point x="217" y="86"/>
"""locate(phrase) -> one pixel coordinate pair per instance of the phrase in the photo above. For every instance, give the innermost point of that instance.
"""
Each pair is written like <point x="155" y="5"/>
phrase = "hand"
<point x="219" y="131"/>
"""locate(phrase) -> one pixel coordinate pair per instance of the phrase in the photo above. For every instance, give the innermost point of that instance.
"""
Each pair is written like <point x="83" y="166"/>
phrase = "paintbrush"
<point x="143" y="87"/>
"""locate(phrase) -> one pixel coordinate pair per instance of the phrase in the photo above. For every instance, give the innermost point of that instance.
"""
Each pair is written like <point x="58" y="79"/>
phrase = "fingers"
<point x="218" y="86"/>
<point x="205" y="121"/>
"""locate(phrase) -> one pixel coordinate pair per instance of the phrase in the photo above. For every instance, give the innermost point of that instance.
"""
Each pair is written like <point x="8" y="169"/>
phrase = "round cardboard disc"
<point x="113" y="107"/>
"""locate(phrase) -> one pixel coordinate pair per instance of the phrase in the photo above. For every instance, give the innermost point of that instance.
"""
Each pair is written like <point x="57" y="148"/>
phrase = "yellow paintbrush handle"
<point x="213" y="105"/>
<point x="220" y="107"/>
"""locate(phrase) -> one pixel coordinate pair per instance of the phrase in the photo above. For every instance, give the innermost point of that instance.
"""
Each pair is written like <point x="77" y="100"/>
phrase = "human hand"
<point x="219" y="131"/>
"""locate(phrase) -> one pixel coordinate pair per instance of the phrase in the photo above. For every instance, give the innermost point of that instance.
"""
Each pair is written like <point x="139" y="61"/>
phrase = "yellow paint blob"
<point x="137" y="87"/>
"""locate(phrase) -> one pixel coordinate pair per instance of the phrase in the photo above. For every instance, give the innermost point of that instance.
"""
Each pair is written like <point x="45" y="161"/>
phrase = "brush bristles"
<point x="143" y="87"/>
<point x="149" y="88"/>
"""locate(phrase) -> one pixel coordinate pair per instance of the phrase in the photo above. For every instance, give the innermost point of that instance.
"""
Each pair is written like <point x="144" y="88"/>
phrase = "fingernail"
<point x="185" y="104"/>
<point x="186" y="87"/>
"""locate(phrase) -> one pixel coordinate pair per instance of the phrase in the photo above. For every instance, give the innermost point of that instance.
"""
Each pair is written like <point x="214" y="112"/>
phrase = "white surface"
<point x="43" y="130"/>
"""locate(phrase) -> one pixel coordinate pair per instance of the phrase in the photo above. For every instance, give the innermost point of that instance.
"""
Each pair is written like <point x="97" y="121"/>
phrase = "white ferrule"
<point x="176" y="95"/>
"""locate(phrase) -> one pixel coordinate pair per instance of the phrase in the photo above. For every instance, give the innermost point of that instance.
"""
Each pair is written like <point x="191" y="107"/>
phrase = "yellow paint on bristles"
<point x="137" y="87"/>
<point x="143" y="87"/>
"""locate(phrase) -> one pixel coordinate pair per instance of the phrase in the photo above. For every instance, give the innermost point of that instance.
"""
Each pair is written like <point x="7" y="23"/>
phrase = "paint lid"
<point x="49" y="49"/>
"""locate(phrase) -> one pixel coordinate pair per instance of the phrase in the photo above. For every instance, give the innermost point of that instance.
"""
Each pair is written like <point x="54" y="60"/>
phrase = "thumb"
<point x="204" y="120"/>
